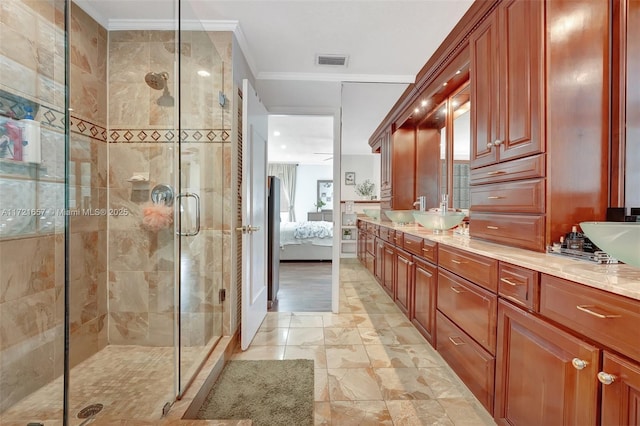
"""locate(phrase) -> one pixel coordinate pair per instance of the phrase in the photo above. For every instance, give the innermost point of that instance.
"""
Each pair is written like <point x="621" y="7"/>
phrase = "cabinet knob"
<point x="578" y="363"/>
<point x="606" y="378"/>
<point x="489" y="146"/>
<point x="497" y="142"/>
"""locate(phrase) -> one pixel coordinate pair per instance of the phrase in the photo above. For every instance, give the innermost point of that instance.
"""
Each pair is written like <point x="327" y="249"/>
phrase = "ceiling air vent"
<point x="332" y="60"/>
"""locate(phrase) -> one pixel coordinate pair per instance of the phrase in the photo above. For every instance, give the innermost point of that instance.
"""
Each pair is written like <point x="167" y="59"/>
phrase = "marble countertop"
<point x="616" y="278"/>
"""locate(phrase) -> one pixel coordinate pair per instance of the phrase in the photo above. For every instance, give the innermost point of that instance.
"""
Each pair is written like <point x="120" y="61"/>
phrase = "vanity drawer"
<point x="429" y="251"/>
<point x="479" y="269"/>
<point x="472" y="308"/>
<point x="522" y="168"/>
<point x="372" y="228"/>
<point x="520" y="285"/>
<point x="386" y="234"/>
<point x="525" y="196"/>
<point x="397" y="238"/>
<point x="412" y="244"/>
<point x="525" y="231"/>
<point x="607" y="318"/>
<point x="472" y="364"/>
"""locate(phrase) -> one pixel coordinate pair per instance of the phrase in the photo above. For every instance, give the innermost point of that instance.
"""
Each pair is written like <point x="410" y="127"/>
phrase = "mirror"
<point x="460" y="141"/>
<point x="325" y="192"/>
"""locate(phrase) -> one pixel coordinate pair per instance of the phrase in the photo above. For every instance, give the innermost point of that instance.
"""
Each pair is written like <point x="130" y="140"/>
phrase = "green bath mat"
<point x="270" y="393"/>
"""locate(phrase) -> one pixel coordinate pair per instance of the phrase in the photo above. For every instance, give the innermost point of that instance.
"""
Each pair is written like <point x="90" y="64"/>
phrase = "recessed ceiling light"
<point x="458" y="72"/>
<point x="424" y="103"/>
<point x="203" y="73"/>
<point x="276" y="133"/>
<point x="445" y="83"/>
<point x="283" y="146"/>
<point x="416" y="110"/>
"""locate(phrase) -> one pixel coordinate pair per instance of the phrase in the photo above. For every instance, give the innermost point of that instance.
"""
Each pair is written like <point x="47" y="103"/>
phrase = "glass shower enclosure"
<point x="112" y="204"/>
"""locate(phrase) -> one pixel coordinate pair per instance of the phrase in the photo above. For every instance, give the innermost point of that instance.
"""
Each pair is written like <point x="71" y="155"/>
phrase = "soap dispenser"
<point x="30" y="138"/>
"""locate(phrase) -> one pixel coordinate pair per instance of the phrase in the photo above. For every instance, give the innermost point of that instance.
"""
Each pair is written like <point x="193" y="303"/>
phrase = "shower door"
<point x="200" y="197"/>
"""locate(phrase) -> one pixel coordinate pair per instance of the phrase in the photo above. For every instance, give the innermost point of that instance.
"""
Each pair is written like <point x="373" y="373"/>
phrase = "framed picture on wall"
<point x="349" y="178"/>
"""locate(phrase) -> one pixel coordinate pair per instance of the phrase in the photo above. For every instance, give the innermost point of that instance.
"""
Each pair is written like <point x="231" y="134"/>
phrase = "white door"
<point x="254" y="218"/>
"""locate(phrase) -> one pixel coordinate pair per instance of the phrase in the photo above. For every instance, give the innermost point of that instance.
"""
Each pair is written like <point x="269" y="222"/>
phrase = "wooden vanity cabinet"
<point x="423" y="305"/>
<point x="536" y="380"/>
<point x="378" y="266"/>
<point x="388" y="269"/>
<point x="403" y="280"/>
<point x="466" y="318"/>
<point x="620" y="398"/>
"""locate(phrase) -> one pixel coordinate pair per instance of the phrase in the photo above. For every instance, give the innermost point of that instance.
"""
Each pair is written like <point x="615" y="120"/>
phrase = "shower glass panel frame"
<point x="200" y="154"/>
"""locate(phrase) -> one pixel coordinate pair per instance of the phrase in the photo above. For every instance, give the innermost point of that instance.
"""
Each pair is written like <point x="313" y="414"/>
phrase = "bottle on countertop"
<point x="575" y="240"/>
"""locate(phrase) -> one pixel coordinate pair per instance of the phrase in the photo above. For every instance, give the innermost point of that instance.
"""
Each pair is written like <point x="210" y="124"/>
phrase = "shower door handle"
<point x="196" y="230"/>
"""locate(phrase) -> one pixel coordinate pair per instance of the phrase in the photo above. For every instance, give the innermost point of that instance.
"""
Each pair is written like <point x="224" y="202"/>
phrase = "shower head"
<point x="166" y="100"/>
<point x="157" y="81"/>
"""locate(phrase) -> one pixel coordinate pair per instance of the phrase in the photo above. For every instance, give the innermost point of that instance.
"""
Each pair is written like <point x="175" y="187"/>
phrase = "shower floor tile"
<point x="132" y="383"/>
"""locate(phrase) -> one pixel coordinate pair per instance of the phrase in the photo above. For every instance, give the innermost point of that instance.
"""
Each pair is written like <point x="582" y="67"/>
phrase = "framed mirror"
<point x="325" y="193"/>
<point x="459" y="139"/>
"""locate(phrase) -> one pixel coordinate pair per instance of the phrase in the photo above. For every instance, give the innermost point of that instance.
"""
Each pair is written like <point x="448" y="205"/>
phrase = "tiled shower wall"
<point x="32" y="247"/>
<point x="141" y="141"/>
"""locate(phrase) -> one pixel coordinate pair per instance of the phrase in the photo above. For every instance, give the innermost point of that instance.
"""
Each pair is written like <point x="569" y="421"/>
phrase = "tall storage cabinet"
<point x="540" y="100"/>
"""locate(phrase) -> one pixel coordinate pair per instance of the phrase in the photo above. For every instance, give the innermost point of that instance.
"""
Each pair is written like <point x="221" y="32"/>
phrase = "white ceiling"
<point x="387" y="42"/>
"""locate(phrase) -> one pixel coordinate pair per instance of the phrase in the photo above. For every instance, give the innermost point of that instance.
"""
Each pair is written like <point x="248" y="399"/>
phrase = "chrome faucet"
<point x="421" y="202"/>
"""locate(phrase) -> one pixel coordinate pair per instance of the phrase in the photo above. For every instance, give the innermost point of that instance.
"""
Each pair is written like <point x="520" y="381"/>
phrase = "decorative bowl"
<point x="400" y="217"/>
<point x="437" y="221"/>
<point x="620" y="240"/>
<point x="372" y="213"/>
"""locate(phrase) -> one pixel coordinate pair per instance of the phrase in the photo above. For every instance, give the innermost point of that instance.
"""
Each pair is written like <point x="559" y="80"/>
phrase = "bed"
<point x="306" y="240"/>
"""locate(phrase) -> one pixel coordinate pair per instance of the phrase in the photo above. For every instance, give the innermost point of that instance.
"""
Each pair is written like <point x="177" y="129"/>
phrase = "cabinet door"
<point x="620" y="398"/>
<point x="423" y="299"/>
<point x="521" y="53"/>
<point x="404" y="278"/>
<point x="484" y="79"/>
<point x="388" y="268"/>
<point x="536" y="381"/>
<point x="379" y="261"/>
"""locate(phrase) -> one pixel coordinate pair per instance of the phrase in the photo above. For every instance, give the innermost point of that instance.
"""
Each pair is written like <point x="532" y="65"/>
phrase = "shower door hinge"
<point x="222" y="295"/>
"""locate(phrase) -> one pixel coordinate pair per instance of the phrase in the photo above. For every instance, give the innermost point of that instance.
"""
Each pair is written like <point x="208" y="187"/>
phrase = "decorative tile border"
<point x="169" y="135"/>
<point x="87" y="128"/>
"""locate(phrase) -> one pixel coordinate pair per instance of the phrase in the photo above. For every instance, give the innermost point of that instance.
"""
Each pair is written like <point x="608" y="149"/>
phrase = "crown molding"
<point x="341" y="77"/>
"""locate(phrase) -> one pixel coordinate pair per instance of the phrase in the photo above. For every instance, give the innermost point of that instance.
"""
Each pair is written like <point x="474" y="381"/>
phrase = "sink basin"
<point x="372" y="213"/>
<point x="618" y="239"/>
<point x="400" y="217"/>
<point x="437" y="221"/>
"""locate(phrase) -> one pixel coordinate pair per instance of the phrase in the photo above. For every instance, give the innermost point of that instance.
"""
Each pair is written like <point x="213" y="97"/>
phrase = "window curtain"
<point x="287" y="174"/>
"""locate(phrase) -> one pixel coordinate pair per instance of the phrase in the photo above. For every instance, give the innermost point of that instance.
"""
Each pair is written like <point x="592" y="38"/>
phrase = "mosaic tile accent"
<point x="169" y="136"/>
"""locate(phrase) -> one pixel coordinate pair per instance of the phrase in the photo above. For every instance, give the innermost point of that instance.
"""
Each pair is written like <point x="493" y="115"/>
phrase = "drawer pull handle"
<point x="492" y="227"/>
<point x="606" y="378"/>
<point x="506" y="281"/>
<point x="456" y="340"/>
<point x="495" y="197"/>
<point x="455" y="290"/>
<point x="586" y="308"/>
<point x="457" y="262"/>
<point x="579" y="364"/>
<point x="496" y="172"/>
<point x="426" y="250"/>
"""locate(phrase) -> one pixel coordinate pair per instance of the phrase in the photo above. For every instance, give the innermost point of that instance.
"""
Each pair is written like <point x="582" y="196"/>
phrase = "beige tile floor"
<point x="372" y="367"/>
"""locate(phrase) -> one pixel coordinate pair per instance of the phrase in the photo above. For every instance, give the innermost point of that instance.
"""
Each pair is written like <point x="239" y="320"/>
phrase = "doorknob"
<point x="253" y="228"/>
<point x="248" y="229"/>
